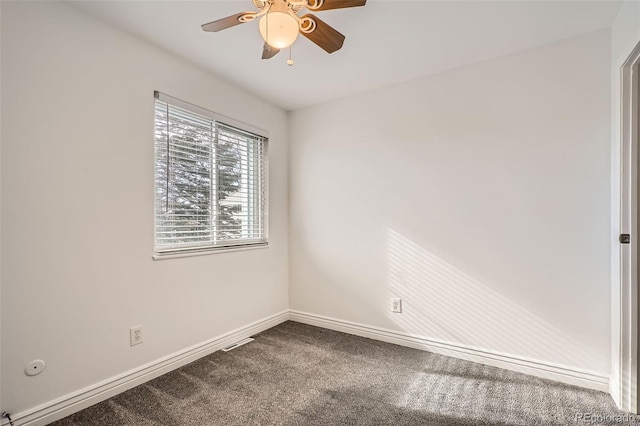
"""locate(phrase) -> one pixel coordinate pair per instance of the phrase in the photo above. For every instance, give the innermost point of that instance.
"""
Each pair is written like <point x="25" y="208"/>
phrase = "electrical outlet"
<point x="396" y="305"/>
<point x="135" y="334"/>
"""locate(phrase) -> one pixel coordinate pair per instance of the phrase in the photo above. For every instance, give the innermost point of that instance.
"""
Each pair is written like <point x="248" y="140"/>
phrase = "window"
<point x="210" y="181"/>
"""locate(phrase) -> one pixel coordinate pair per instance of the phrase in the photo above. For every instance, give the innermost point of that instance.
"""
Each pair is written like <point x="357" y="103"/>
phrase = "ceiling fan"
<point x="280" y="23"/>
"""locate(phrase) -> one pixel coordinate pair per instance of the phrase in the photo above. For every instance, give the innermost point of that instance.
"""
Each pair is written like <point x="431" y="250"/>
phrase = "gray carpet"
<point x="296" y="374"/>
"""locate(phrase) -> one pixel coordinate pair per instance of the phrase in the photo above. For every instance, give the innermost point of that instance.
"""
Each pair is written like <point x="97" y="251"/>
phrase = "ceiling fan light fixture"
<point x="279" y="29"/>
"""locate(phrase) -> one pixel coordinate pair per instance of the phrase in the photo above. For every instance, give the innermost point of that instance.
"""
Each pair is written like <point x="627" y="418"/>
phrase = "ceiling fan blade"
<point x="324" y="35"/>
<point x="339" y="4"/>
<point x="224" y="23"/>
<point x="269" y="52"/>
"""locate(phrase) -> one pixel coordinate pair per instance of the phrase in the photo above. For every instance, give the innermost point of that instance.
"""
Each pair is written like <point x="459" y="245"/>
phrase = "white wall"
<point x="625" y="35"/>
<point x="0" y="214"/>
<point x="480" y="196"/>
<point x="77" y="208"/>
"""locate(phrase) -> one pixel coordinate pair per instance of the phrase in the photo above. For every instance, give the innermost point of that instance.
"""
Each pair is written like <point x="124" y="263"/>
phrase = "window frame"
<point x="235" y="125"/>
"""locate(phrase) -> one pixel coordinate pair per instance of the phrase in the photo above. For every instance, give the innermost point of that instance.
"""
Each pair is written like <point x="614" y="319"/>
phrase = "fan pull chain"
<point x="267" y="30"/>
<point x="290" y="61"/>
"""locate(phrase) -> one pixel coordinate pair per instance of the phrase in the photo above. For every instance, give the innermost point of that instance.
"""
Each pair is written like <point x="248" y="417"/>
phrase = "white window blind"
<point x="210" y="181"/>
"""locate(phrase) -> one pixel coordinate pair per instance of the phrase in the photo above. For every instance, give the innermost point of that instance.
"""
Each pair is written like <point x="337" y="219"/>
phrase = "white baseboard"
<point x="546" y="370"/>
<point x="84" y="398"/>
<point x="614" y="391"/>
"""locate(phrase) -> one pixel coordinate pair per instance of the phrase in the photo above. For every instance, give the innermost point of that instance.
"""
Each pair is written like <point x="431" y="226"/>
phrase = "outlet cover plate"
<point x="135" y="335"/>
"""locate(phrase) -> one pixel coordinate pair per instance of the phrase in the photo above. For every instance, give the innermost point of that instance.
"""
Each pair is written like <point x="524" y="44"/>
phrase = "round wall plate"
<point x="34" y="368"/>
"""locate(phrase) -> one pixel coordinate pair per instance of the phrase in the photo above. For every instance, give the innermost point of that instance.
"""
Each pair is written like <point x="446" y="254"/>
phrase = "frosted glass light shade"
<point x="279" y="29"/>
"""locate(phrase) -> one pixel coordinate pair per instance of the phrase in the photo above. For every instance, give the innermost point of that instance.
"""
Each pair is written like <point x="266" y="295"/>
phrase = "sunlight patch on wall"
<point x="441" y="302"/>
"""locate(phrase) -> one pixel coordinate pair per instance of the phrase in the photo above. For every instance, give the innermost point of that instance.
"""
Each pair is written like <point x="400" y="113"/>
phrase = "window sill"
<point x="206" y="252"/>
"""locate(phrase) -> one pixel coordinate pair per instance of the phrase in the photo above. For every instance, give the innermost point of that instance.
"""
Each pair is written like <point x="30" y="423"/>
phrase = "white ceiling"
<point x="387" y="41"/>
